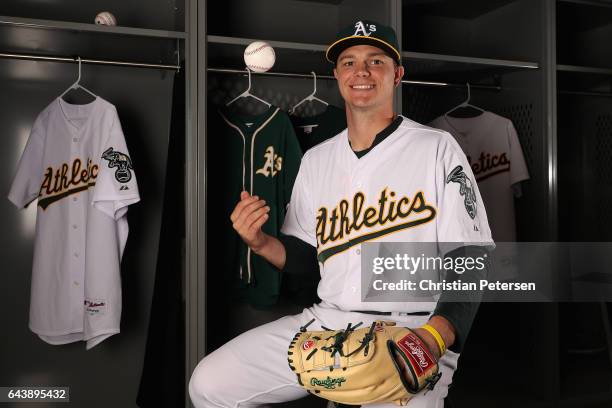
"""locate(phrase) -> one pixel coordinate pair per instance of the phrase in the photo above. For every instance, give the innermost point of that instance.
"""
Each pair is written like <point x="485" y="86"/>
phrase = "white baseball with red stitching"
<point x="106" y="18"/>
<point x="259" y="56"/>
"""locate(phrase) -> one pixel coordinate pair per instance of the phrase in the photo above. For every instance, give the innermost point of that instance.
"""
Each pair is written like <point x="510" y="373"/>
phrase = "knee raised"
<point x="201" y="387"/>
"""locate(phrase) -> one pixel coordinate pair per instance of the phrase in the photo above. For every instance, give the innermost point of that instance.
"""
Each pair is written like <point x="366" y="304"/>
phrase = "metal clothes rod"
<point x="87" y="61"/>
<point x="587" y="93"/>
<point x="297" y="75"/>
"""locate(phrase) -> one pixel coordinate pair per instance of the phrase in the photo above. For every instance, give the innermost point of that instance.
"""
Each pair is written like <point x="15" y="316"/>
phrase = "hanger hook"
<point x="78" y="81"/>
<point x="469" y="92"/>
<point x="315" y="81"/>
<point x="249" y="73"/>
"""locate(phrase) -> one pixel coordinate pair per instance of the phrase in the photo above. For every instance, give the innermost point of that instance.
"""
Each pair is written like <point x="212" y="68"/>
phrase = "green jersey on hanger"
<point x="259" y="154"/>
<point x="312" y="130"/>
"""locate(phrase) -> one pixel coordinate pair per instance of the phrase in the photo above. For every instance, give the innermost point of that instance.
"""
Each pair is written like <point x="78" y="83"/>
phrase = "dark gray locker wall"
<point x="265" y="19"/>
<point x="318" y="23"/>
<point x="157" y="14"/>
<point x="583" y="31"/>
<point x="109" y="374"/>
<point x="585" y="157"/>
<point x="473" y="28"/>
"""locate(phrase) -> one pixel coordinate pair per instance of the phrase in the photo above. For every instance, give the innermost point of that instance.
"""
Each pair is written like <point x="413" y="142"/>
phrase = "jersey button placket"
<point x="76" y="287"/>
<point x="353" y="275"/>
<point x="74" y="147"/>
<point x="353" y="260"/>
<point x="77" y="261"/>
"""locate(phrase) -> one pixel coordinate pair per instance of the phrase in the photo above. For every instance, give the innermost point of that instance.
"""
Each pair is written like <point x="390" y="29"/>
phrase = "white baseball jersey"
<point x="77" y="164"/>
<point x="414" y="186"/>
<point x="494" y="152"/>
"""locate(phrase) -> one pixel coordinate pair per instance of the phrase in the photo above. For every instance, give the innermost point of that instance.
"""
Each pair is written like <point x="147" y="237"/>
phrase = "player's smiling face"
<point x="367" y="76"/>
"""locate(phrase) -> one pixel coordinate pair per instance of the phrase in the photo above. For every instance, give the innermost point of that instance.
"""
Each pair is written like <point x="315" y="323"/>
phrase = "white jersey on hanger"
<point x="494" y="152"/>
<point x="491" y="144"/>
<point x="340" y="201"/>
<point x="77" y="164"/>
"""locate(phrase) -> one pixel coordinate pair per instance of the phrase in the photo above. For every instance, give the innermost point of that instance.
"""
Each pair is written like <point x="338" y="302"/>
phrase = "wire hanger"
<point x="248" y="93"/>
<point x="465" y="104"/>
<point x="78" y="85"/>
<point x="310" y="97"/>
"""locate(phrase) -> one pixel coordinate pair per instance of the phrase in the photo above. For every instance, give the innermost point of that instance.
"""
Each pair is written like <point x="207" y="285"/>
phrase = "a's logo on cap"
<point x="363" y="29"/>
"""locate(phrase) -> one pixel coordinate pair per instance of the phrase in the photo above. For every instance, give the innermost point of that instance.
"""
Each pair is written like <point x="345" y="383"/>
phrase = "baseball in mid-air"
<point x="259" y="56"/>
<point x="106" y="18"/>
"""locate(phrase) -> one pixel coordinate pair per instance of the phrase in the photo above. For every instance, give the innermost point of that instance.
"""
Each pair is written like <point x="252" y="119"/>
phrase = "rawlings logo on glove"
<point x="382" y="363"/>
<point x="329" y="383"/>
<point x="411" y="347"/>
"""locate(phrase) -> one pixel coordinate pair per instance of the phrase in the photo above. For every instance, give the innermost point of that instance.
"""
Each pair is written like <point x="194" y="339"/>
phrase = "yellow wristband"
<point x="436" y="336"/>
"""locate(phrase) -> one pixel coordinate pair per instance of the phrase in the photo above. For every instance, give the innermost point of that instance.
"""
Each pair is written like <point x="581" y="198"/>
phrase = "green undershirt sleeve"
<point x="460" y="307"/>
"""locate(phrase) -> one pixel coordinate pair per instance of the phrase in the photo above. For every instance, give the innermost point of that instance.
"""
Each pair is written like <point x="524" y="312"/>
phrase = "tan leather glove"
<point x="357" y="366"/>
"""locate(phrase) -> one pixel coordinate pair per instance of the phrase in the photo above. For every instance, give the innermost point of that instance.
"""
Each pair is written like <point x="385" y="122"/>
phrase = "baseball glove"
<point x="358" y="366"/>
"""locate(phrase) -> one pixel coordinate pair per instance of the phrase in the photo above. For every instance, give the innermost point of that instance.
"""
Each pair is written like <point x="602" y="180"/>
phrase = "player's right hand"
<point x="249" y="215"/>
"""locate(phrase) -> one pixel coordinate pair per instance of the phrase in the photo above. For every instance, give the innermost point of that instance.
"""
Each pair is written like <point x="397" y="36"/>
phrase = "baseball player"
<point x="341" y="199"/>
<point x="77" y="165"/>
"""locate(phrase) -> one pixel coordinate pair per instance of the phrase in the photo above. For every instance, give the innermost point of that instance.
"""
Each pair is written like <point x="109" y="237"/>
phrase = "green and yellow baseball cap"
<point x="368" y="33"/>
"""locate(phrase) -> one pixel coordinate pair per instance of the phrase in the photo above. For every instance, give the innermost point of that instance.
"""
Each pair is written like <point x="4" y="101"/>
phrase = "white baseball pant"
<point x="251" y="370"/>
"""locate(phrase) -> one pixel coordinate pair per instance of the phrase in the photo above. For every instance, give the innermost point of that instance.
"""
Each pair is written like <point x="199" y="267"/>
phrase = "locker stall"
<point x="134" y="67"/>
<point x="459" y="44"/>
<point x="583" y="135"/>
